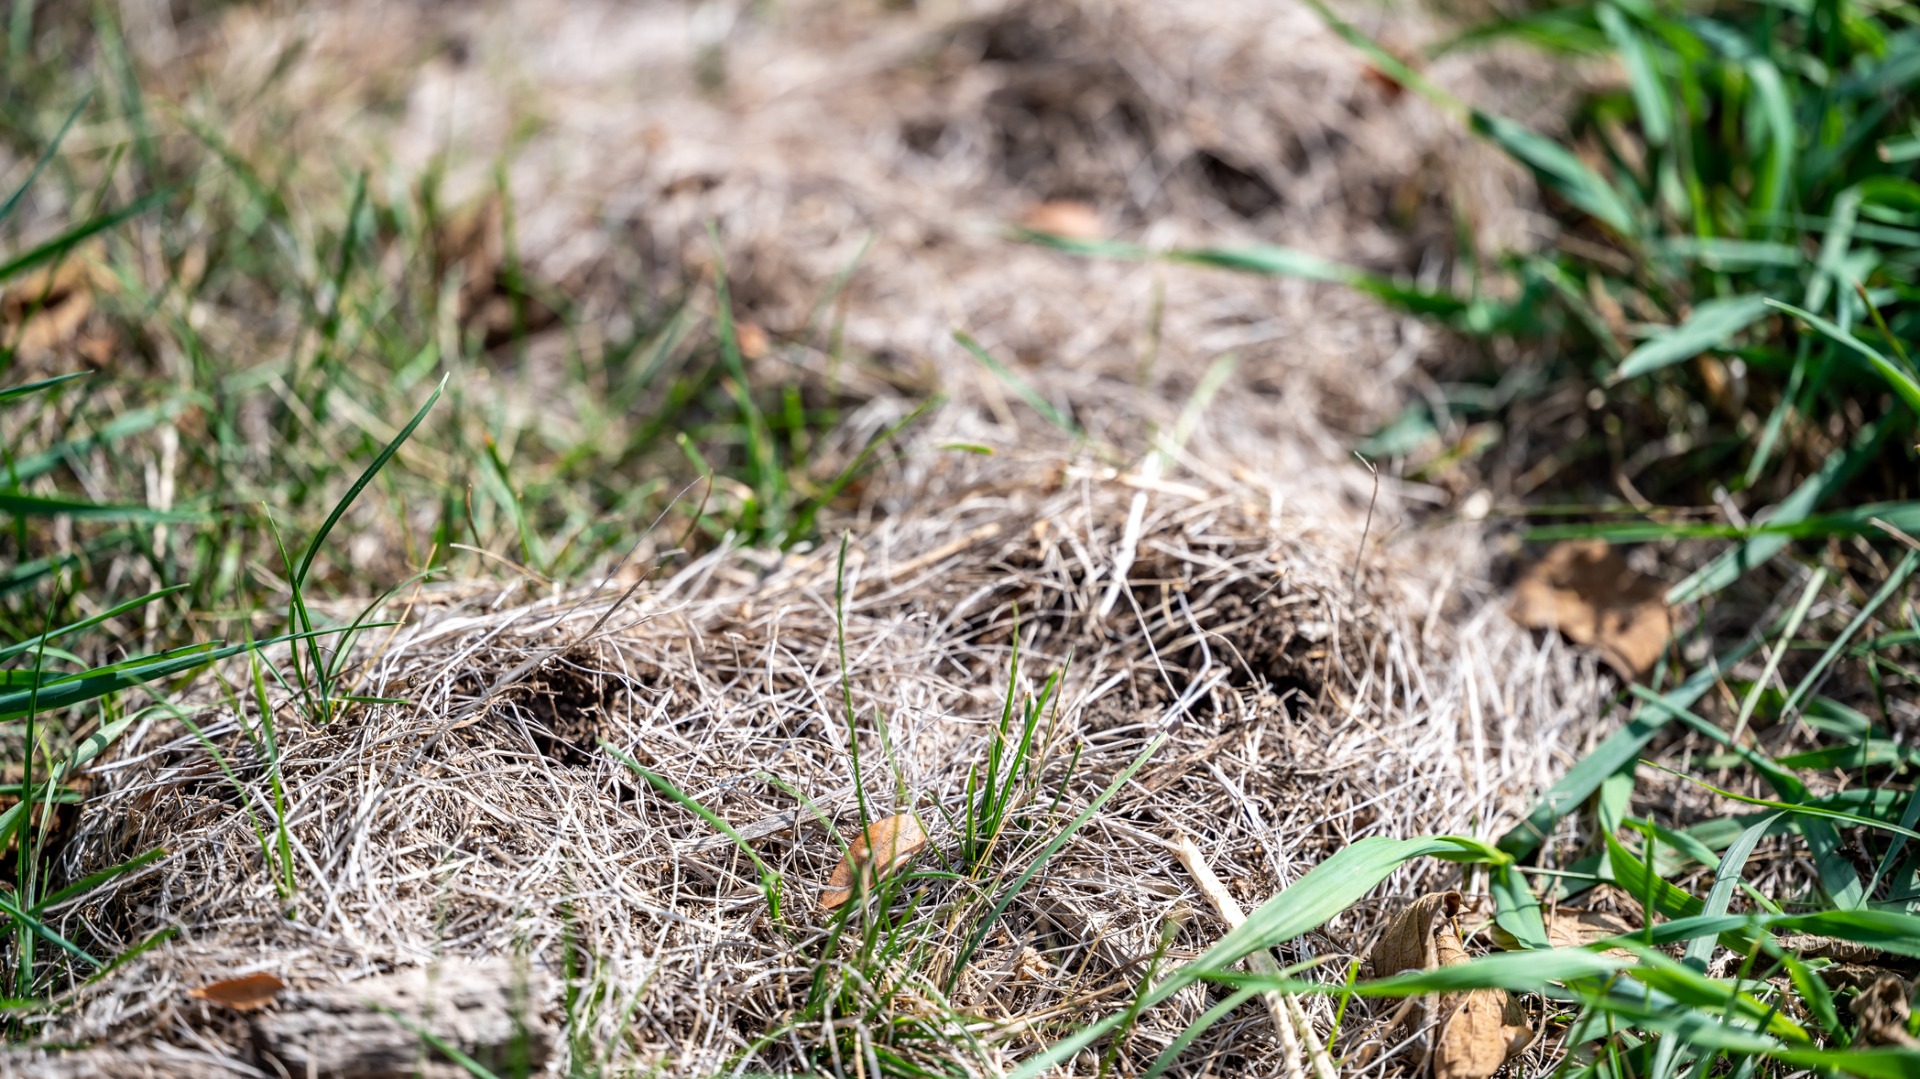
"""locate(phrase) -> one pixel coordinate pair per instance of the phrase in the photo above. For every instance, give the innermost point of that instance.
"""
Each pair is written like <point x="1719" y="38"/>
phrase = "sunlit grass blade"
<point x="1897" y="377"/>
<point x="94" y="880"/>
<point x="1324" y="891"/>
<point x="1711" y="325"/>
<point x="366" y="477"/>
<point x="1619" y="750"/>
<point x="1726" y="876"/>
<point x="1805" y="810"/>
<point x="1020" y="386"/>
<point x="72" y="238"/>
<point x="15" y="504"/>
<point x="770" y="881"/>
<point x="40" y="385"/>
<point x="1732" y="564"/>
<point x="9" y="651"/>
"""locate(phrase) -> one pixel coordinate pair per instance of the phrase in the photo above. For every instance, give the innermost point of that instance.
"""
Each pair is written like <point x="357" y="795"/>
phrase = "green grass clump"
<point x="1739" y="268"/>
<point x="1734" y="294"/>
<point x="295" y="380"/>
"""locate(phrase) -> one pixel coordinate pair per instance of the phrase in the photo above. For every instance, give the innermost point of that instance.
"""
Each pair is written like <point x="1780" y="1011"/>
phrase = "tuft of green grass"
<point x="1734" y="293"/>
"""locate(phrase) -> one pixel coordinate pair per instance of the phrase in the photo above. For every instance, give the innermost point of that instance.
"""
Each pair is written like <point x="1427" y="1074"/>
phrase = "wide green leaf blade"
<point x="1711" y="324"/>
<point x="22" y="505"/>
<point x="74" y="237"/>
<point x="1897" y="377"/>
<point x="1619" y="750"/>
<point x="1650" y="97"/>
<point x="23" y="389"/>
<point x="1325" y="890"/>
<point x="1726" y="877"/>
<point x="1556" y="167"/>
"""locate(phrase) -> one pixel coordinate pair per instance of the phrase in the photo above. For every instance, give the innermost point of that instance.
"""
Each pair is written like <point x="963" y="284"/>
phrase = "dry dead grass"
<point x="1300" y="717"/>
<point x="1304" y="705"/>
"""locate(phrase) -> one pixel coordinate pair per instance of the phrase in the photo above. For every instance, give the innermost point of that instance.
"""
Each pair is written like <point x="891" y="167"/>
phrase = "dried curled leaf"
<point x="1587" y="591"/>
<point x="242" y="994"/>
<point x="1478" y="1031"/>
<point x="1411" y="939"/>
<point x="878" y="852"/>
<point x="1065" y="219"/>
<point x="1487" y="1029"/>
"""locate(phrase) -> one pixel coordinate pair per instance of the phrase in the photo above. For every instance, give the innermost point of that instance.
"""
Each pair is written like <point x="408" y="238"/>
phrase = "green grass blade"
<point x="769" y="879"/>
<point x="1895" y="581"/>
<point x="1733" y="563"/>
<point x="46" y="156"/>
<point x="1019" y="386"/>
<point x="1619" y="750"/>
<point x="1053" y="847"/>
<point x="1654" y="108"/>
<point x="115" y="611"/>
<point x="1520" y="972"/>
<point x="1516" y="908"/>
<point x="1789" y="807"/>
<point x="366" y="477"/>
<point x="87" y="685"/>
<point x="43" y="384"/>
<point x="439" y="1045"/>
<point x="1725" y="877"/>
<point x="94" y="880"/>
<point x="1897" y="377"/>
<point x="40" y="929"/>
<point x="22" y="505"/>
<point x="129" y="423"/>
<point x="1324" y="891"/>
<point x="1711" y="325"/>
<point x="1558" y="169"/>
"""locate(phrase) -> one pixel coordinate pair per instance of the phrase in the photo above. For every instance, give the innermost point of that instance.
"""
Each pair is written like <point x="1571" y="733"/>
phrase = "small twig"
<point x="1894" y="532"/>
<point x="1288" y="1019"/>
<point x="1353" y="587"/>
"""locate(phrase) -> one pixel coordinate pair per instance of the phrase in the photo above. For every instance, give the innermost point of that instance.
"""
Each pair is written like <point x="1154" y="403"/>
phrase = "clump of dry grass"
<point x="481" y="818"/>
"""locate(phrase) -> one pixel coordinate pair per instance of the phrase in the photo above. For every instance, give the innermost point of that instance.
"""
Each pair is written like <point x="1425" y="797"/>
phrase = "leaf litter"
<point x="878" y="852"/>
<point x="1474" y="1033"/>
<point x="1585" y="590"/>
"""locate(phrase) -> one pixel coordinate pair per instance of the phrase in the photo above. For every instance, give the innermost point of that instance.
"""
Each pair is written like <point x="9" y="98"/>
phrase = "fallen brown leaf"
<point x="1883" y="1012"/>
<point x="751" y="339"/>
<point x="1478" y="1031"/>
<point x="1568" y="928"/>
<point x="883" y="848"/>
<point x="1584" y="589"/>
<point x="1484" y="1031"/>
<point x="1411" y="940"/>
<point x="242" y="994"/>
<point x="1067" y="220"/>
<point x="44" y="311"/>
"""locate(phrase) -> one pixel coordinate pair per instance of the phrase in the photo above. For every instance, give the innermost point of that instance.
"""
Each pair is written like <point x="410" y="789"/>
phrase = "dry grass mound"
<point x="1234" y="613"/>
<point x="490" y="813"/>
